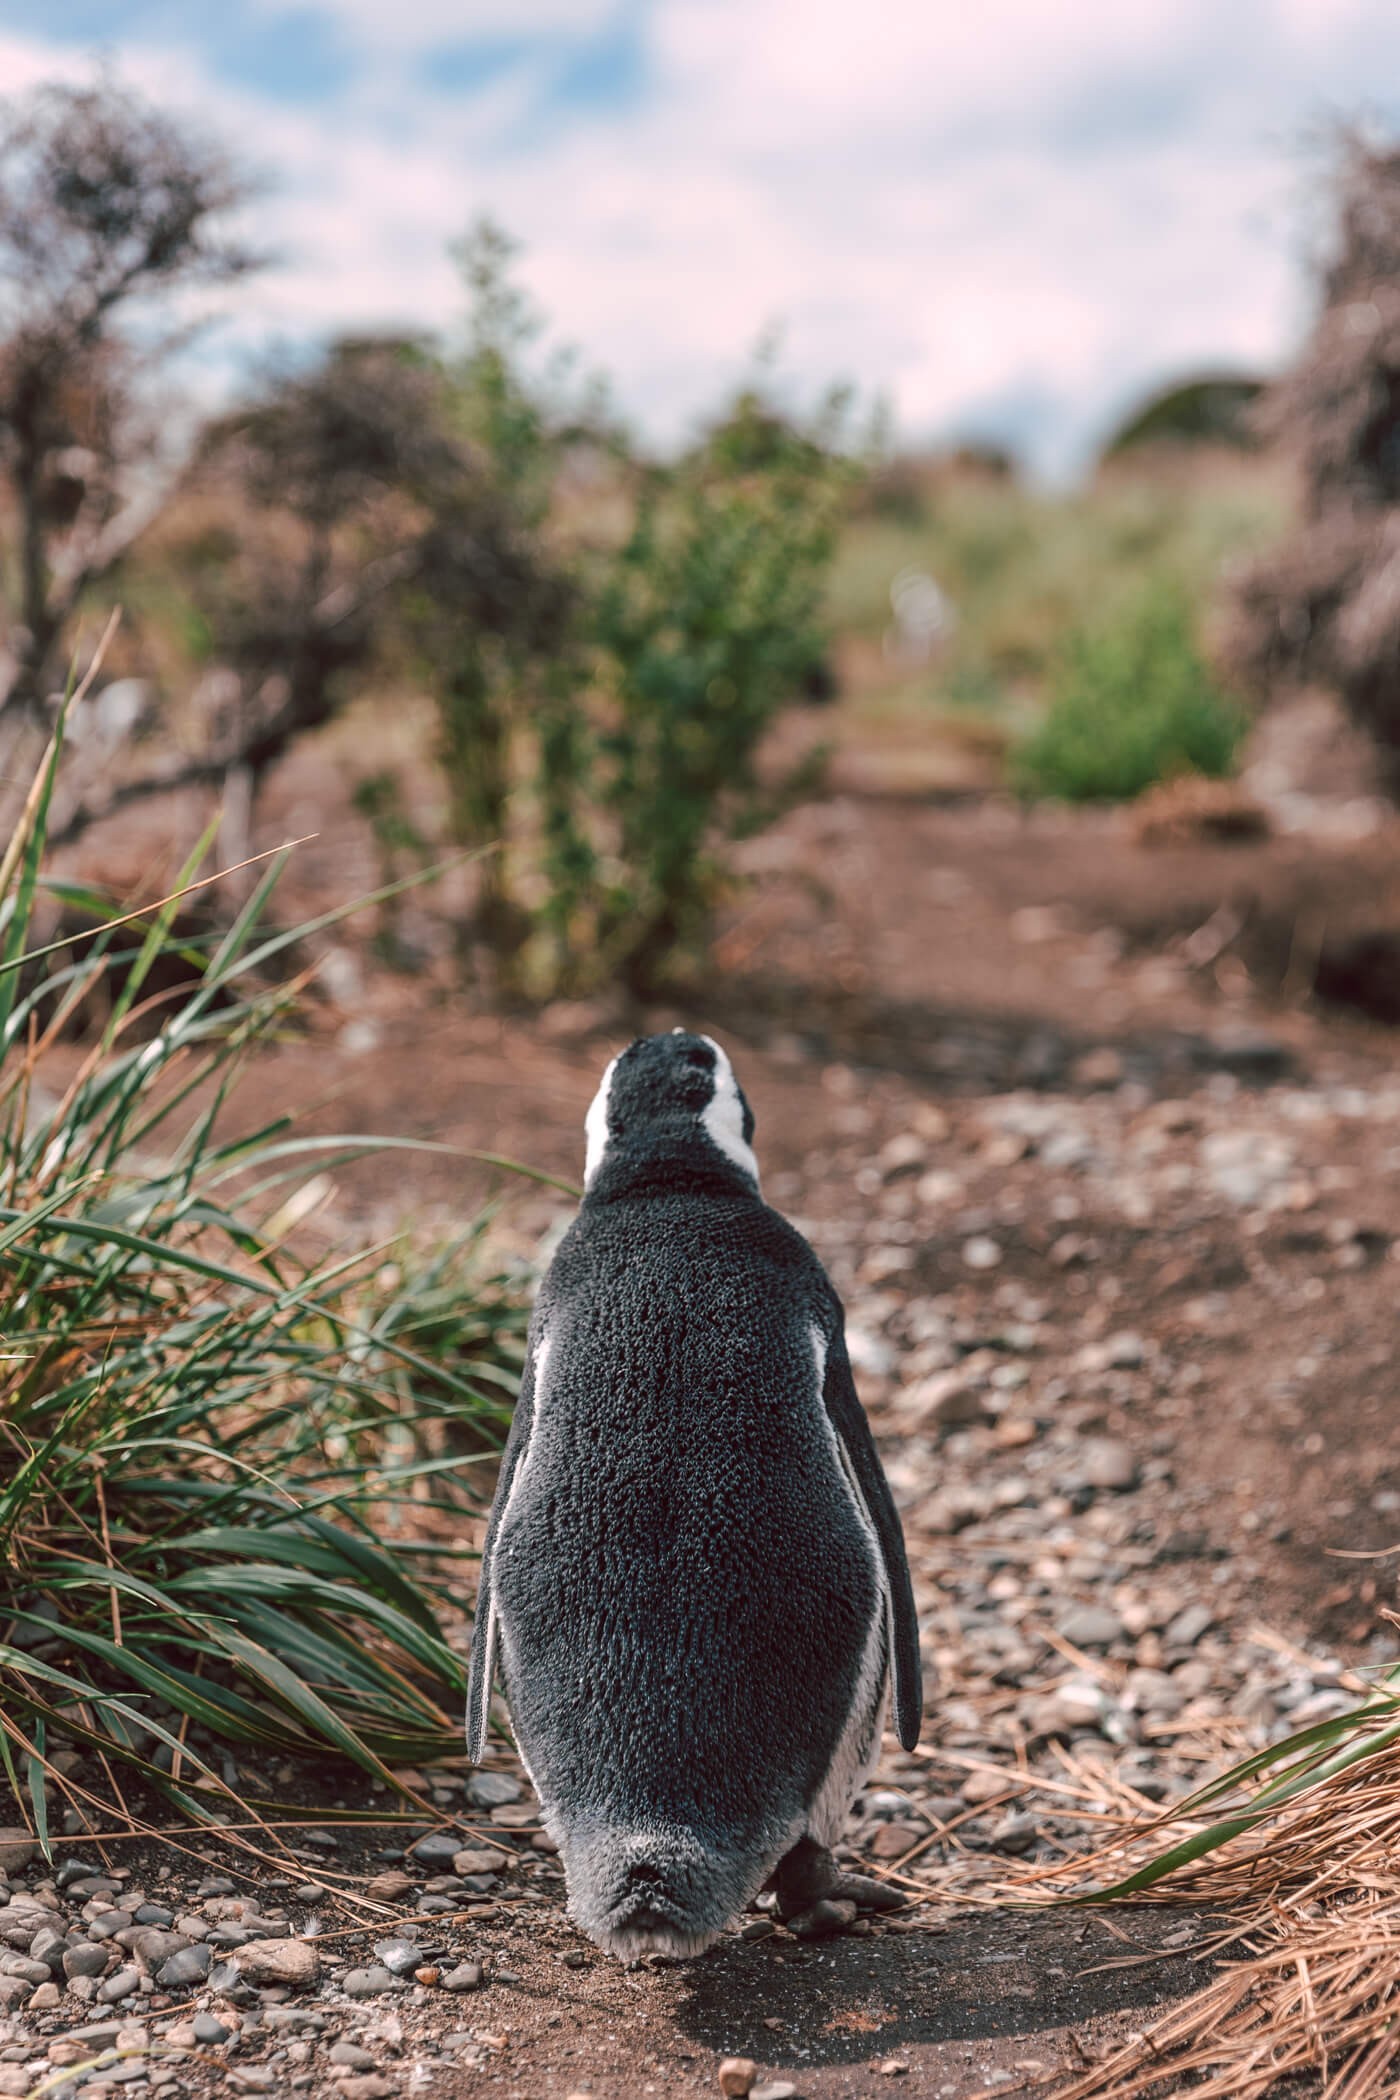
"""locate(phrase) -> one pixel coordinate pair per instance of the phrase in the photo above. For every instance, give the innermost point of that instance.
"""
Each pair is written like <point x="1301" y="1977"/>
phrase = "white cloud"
<point x="979" y="209"/>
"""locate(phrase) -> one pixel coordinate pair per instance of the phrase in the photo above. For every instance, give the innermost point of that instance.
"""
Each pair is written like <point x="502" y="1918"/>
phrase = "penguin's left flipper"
<point x="808" y="1876"/>
<point x="848" y="1420"/>
<point x="483" y="1657"/>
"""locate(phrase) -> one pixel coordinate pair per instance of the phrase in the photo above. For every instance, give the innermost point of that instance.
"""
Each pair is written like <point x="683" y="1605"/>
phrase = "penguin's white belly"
<point x="858" y="1748"/>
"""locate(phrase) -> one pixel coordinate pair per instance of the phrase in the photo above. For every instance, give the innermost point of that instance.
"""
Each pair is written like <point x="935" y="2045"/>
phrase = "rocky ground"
<point x="1118" y="1255"/>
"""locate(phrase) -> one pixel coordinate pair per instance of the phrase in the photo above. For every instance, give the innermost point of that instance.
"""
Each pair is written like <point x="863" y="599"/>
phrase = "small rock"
<point x="390" y="1887"/>
<point x="14" y="1992"/>
<point x="1091" y="1626"/>
<point x="824" y="1916"/>
<point x="736" y="2076"/>
<point x="118" y="1985"/>
<point x="352" y="2055"/>
<point x="757" y="1929"/>
<point x="368" y="1983"/>
<point x="981" y="1252"/>
<point x="775" y="2089"/>
<point x="480" y="1859"/>
<point x="208" y="2030"/>
<point x="17" y="1848"/>
<point x="294" y="1964"/>
<point x="154" y="1914"/>
<point x="154" y="1944"/>
<point x="892" y="2067"/>
<point x="437" y="1850"/>
<point x="985" y="1786"/>
<point x="190" y="1965"/>
<point x="310" y="1892"/>
<point x="45" y="1998"/>
<point x="493" y="1789"/>
<point x="1188" y="1626"/>
<point x="254" y="2078"/>
<point x="372" y="2086"/>
<point x="1107" y="1463"/>
<point x="465" y="1977"/>
<point x="400" y="1957"/>
<point x="893" y="1840"/>
<point x="15" y="2081"/>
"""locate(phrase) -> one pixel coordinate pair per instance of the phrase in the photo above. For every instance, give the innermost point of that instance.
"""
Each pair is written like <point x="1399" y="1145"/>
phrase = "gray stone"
<point x="1188" y="1626"/>
<point x="352" y="2055"/>
<point x="209" y="2030"/>
<point x="47" y="1946"/>
<point x="1106" y="1463"/>
<point x="24" y="1965"/>
<point x="83" y="1958"/>
<point x="826" y="1915"/>
<point x="154" y="1944"/>
<point x="1091" y="1626"/>
<point x="438" y="1850"/>
<point x="254" y="2078"/>
<point x="120" y="1984"/>
<point x="371" y="2085"/>
<point x="368" y="1983"/>
<point x="492" y="1790"/>
<point x="190" y="1965"/>
<point x="108" y="1923"/>
<point x="400" y="1957"/>
<point x="14" y="1992"/>
<point x="154" y="1914"/>
<point x="465" y="1977"/>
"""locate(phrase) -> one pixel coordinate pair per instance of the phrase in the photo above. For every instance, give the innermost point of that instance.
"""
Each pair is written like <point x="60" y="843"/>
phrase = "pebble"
<point x="439" y="1849"/>
<point x="254" y="2078"/>
<point x="373" y="2086"/>
<point x="368" y="1983"/>
<point x="826" y="1915"/>
<point x="736" y="2076"/>
<point x="1105" y="1462"/>
<point x="981" y="1252"/>
<point x="774" y="2089"/>
<point x="294" y="1964"/>
<point x="1092" y="1626"/>
<point x="493" y="1790"/>
<point x="400" y="1957"/>
<point x="479" y="1859"/>
<point x="390" y="1887"/>
<point x="17" y="1848"/>
<point x="209" y="2030"/>
<point x="120" y="1984"/>
<point x="1015" y="1833"/>
<point x="190" y="1965"/>
<point x="465" y="1977"/>
<point x="1188" y="1626"/>
<point x="352" y="2055"/>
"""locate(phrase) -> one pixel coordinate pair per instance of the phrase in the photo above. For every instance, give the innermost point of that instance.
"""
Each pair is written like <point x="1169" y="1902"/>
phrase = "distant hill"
<point x="1213" y="409"/>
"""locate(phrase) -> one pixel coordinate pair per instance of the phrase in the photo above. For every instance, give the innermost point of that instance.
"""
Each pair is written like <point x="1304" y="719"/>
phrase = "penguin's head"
<point x="669" y="1095"/>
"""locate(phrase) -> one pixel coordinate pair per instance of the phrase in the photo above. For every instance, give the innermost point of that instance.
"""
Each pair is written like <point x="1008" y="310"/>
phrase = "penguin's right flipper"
<point x="483" y="1656"/>
<point x="848" y="1419"/>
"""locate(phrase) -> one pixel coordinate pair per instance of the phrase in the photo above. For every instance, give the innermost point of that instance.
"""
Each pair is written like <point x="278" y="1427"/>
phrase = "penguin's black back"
<point x="684" y="1583"/>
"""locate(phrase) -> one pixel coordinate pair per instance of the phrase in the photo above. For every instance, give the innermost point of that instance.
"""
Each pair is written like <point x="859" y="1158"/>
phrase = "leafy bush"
<point x="1131" y="703"/>
<point x="190" y="1542"/>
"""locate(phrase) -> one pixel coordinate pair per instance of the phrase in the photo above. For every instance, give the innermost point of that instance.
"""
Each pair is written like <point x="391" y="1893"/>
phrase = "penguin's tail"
<point x="656" y="1890"/>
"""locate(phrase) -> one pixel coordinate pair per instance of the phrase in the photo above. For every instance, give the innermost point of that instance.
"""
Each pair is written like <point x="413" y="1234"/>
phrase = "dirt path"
<point x="1116" y="1231"/>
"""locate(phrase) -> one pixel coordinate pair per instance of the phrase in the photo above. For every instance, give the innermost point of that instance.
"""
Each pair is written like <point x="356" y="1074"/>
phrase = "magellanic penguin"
<point x="693" y="1582"/>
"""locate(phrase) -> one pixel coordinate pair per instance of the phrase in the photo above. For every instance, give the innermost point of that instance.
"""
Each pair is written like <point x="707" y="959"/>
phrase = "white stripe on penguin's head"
<point x="724" y="1118"/>
<point x="595" y="1126"/>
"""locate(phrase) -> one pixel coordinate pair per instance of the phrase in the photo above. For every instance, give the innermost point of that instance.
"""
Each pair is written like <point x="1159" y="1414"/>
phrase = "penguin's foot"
<point x="815" y="1897"/>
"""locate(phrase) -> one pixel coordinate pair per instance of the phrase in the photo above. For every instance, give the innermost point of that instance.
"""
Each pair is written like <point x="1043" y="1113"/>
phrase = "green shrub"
<point x="196" y="1478"/>
<point x="1131" y="702"/>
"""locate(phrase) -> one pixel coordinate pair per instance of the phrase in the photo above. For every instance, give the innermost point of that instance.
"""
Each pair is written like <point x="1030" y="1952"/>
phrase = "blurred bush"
<point x="1324" y="605"/>
<point x="1132" y="702"/>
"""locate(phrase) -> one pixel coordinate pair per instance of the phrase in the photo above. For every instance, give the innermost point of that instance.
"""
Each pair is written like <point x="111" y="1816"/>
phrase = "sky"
<point x="1012" y="218"/>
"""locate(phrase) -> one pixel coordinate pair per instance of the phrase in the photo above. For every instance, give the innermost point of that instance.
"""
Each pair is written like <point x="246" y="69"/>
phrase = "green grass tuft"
<point x="203" y="1441"/>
